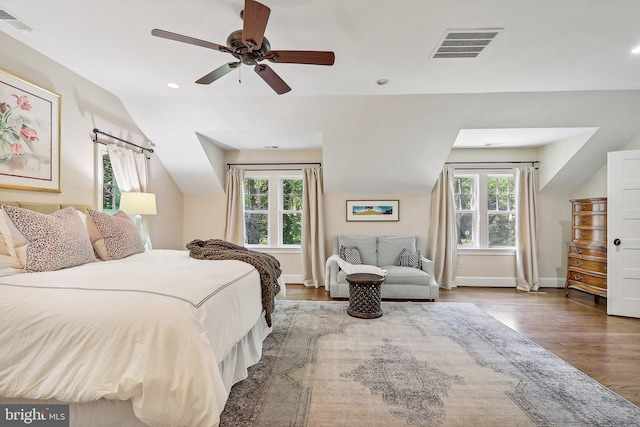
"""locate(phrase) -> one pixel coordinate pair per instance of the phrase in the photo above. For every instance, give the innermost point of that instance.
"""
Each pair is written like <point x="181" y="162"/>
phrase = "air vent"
<point x="464" y="43"/>
<point x="10" y="19"/>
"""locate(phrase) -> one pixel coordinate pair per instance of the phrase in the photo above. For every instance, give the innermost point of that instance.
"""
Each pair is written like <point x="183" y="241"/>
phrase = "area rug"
<point x="431" y="364"/>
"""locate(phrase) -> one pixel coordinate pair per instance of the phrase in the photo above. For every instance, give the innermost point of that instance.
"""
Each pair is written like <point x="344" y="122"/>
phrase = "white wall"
<point x="86" y="106"/>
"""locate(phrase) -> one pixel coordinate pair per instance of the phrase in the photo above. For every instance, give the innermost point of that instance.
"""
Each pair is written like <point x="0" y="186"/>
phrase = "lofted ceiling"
<point x="556" y="70"/>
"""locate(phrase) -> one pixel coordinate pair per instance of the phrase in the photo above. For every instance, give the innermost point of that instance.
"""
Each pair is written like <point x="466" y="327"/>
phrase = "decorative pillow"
<point x="410" y="259"/>
<point x="113" y="237"/>
<point x="8" y="256"/>
<point x="49" y="242"/>
<point x="351" y="255"/>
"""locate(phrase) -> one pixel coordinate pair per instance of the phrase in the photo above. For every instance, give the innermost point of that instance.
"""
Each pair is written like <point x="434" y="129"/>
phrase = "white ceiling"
<point x="556" y="65"/>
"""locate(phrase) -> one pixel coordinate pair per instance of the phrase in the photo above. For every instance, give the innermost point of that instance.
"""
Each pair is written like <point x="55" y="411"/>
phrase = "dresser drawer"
<point x="590" y="220"/>
<point x="590" y="279"/>
<point x="587" y="251"/>
<point x="578" y="262"/>
<point x="590" y="234"/>
<point x="589" y="206"/>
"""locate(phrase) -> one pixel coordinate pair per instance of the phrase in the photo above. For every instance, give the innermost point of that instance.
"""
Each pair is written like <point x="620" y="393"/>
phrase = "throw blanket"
<point x="350" y="269"/>
<point x="267" y="266"/>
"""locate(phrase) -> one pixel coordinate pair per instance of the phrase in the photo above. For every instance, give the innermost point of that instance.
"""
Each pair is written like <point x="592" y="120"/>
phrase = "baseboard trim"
<point x="506" y="282"/>
<point x="292" y="278"/>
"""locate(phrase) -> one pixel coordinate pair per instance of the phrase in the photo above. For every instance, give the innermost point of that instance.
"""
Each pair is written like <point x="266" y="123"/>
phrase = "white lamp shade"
<point x="138" y="203"/>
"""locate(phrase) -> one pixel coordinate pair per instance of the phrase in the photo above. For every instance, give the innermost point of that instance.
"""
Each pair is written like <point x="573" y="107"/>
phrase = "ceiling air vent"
<point x="10" y="19"/>
<point x="464" y="43"/>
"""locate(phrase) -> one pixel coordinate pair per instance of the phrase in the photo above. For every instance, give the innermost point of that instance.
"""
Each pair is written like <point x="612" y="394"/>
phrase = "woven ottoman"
<point x="364" y="295"/>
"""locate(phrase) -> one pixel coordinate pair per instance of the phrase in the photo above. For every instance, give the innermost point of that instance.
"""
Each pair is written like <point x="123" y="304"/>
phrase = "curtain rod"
<point x="489" y="163"/>
<point x="274" y="164"/>
<point x="96" y="131"/>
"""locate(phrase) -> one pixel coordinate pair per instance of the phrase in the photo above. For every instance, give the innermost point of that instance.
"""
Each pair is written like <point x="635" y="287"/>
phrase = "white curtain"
<point x="234" y="222"/>
<point x="443" y="241"/>
<point x="527" y="277"/>
<point x="313" y="254"/>
<point x="130" y="171"/>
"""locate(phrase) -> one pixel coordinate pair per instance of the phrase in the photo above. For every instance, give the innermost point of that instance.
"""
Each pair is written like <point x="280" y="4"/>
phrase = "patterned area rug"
<point x="432" y="364"/>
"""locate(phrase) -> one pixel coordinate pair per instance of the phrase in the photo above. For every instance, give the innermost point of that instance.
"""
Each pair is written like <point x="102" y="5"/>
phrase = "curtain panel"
<point x="527" y="276"/>
<point x="443" y="242"/>
<point x="130" y="171"/>
<point x="234" y="220"/>
<point x="312" y="244"/>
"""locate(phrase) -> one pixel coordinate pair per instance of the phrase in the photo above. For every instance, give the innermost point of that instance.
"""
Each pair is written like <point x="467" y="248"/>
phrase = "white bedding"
<point x="151" y="328"/>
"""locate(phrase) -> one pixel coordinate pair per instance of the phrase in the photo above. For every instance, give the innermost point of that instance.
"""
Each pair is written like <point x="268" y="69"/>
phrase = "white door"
<point x="623" y="233"/>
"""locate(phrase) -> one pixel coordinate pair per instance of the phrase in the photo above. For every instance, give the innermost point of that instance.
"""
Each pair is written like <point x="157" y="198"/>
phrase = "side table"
<point x="364" y="295"/>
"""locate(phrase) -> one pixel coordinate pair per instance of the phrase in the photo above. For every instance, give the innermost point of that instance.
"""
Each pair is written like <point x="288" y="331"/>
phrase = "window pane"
<point x="464" y="222"/>
<point x="256" y="194"/>
<point x="110" y="190"/>
<point x="502" y="230"/>
<point x="292" y="194"/>
<point x="291" y="229"/>
<point x="257" y="226"/>
<point x="463" y="192"/>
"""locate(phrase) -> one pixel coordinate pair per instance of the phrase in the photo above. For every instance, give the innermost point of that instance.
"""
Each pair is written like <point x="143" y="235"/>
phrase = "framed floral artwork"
<point x="29" y="135"/>
<point x="373" y="210"/>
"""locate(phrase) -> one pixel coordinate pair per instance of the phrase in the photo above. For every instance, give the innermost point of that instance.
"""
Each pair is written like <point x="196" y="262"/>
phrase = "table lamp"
<point x="138" y="204"/>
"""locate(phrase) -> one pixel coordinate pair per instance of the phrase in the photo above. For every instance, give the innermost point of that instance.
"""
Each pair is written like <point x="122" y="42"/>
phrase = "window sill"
<point x="487" y="251"/>
<point x="275" y="249"/>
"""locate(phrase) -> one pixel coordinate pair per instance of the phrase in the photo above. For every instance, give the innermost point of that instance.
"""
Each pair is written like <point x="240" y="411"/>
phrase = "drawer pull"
<point x="579" y="251"/>
<point x="577" y="277"/>
<point x="583" y="208"/>
<point x="583" y="234"/>
<point x="583" y="221"/>
<point x="579" y="263"/>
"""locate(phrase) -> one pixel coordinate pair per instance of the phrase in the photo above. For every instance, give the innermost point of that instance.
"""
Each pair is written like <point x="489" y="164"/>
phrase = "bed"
<point x="152" y="338"/>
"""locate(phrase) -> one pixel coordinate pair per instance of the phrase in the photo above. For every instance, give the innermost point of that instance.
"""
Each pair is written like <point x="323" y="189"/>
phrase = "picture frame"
<point x="29" y="135"/>
<point x="373" y="210"/>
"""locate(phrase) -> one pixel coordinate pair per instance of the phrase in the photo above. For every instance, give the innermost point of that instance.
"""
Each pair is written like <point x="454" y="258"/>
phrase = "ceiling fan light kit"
<point x="250" y="47"/>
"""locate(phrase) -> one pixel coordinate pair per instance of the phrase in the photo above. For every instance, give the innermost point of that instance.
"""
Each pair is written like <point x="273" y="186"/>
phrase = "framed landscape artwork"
<point x="29" y="135"/>
<point x="373" y="210"/>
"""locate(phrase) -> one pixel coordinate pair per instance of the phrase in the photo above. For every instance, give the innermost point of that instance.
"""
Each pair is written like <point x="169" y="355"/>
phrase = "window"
<point x="110" y="192"/>
<point x="485" y="210"/>
<point x="273" y="209"/>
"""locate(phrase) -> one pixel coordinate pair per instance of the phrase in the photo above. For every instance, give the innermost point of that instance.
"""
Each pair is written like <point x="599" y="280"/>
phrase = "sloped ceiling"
<point x="555" y="64"/>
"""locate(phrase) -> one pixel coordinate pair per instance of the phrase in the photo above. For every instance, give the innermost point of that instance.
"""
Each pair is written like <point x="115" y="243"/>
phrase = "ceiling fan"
<point x="249" y="46"/>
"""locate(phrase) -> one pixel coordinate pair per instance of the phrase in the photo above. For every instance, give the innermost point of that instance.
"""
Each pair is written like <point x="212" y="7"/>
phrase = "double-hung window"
<point x="273" y="209"/>
<point x="485" y="209"/>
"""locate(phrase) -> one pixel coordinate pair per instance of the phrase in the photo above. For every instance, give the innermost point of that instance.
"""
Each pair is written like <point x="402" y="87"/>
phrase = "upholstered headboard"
<point x="47" y="208"/>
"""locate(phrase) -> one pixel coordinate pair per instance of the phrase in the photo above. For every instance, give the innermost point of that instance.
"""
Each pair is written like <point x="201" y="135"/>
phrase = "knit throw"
<point x="267" y="266"/>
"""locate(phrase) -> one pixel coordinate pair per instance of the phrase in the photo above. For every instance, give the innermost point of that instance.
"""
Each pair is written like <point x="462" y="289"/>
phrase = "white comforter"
<point x="151" y="328"/>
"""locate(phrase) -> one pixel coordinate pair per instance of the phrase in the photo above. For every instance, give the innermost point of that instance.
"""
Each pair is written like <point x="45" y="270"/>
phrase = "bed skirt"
<point x="109" y="413"/>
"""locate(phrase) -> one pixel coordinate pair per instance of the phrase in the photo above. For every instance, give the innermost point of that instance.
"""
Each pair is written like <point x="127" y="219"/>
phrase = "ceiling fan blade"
<point x="272" y="79"/>
<point x="186" y="39"/>
<point x="255" y="18"/>
<point x="301" y="57"/>
<point x="217" y="73"/>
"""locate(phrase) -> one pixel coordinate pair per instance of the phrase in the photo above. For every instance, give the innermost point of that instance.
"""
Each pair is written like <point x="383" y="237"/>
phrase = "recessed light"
<point x="636" y="50"/>
<point x="382" y="82"/>
<point x="173" y="85"/>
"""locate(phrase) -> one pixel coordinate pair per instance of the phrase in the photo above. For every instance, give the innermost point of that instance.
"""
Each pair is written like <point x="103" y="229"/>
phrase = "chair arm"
<point x="334" y="268"/>
<point x="428" y="267"/>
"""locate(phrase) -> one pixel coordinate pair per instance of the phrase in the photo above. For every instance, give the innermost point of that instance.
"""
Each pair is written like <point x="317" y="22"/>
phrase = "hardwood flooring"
<point x="576" y="329"/>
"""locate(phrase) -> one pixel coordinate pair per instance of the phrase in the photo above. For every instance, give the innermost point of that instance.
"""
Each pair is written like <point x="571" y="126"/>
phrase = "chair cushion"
<point x="366" y="246"/>
<point x="390" y="247"/>
<point x="398" y="275"/>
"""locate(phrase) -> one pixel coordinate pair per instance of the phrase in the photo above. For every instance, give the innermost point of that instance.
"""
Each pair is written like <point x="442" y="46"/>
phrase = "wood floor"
<point x="576" y="329"/>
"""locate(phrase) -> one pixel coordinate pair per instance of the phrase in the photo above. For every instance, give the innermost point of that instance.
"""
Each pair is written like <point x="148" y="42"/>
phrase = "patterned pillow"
<point x="113" y="237"/>
<point x="410" y="259"/>
<point x="49" y="242"/>
<point x="351" y="255"/>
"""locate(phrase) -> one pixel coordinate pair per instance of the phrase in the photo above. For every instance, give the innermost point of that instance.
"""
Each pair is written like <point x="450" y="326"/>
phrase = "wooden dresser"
<point x="587" y="251"/>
